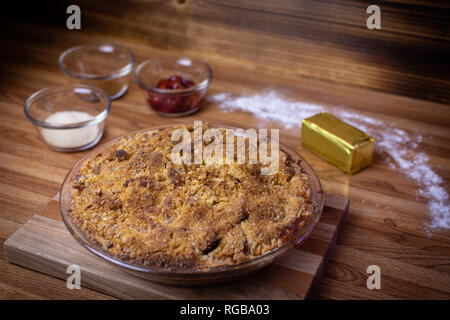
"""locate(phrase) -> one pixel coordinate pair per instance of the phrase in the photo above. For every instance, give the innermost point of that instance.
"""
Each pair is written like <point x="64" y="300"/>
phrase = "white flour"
<point x="396" y="146"/>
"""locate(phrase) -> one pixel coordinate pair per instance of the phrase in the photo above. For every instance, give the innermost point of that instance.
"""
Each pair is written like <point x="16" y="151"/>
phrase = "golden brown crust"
<point x="144" y="209"/>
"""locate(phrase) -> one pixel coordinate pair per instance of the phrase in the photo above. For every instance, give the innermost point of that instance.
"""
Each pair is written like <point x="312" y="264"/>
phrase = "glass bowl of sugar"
<point x="69" y="118"/>
<point x="106" y="66"/>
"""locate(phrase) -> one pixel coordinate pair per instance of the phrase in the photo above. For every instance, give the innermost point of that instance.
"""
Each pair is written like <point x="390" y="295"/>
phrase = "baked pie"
<point x="144" y="209"/>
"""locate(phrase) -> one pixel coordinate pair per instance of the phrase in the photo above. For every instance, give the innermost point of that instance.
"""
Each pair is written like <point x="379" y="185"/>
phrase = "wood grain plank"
<point x="14" y="293"/>
<point x="423" y="277"/>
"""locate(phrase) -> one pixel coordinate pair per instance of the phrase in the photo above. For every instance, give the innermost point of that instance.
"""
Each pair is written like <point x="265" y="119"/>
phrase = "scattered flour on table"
<point x="397" y="146"/>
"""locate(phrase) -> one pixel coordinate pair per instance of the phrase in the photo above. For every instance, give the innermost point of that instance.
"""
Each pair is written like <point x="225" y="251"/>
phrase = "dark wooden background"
<point x="293" y="38"/>
<point x="317" y="51"/>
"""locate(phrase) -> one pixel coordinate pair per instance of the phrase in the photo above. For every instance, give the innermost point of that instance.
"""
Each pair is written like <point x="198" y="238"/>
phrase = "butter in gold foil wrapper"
<point x="337" y="142"/>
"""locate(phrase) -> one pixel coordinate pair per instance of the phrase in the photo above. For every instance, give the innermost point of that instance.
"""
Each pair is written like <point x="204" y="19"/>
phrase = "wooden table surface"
<point x="312" y="51"/>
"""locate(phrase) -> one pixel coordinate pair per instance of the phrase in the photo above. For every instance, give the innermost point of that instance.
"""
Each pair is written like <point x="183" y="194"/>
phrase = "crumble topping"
<point x="144" y="209"/>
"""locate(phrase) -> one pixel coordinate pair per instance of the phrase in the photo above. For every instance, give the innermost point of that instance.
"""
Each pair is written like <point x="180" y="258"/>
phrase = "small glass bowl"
<point x="105" y="66"/>
<point x="69" y="118"/>
<point x="173" y="102"/>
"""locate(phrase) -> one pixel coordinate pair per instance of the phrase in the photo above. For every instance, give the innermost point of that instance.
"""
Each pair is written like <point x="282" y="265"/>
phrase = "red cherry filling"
<point x="163" y="84"/>
<point x="175" y="82"/>
<point x="174" y="102"/>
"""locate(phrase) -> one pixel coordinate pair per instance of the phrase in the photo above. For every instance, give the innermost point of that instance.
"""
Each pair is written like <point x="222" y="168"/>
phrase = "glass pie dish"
<point x="192" y="278"/>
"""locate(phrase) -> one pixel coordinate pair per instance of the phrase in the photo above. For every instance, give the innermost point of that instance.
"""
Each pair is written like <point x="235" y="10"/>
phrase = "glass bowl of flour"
<point x="69" y="118"/>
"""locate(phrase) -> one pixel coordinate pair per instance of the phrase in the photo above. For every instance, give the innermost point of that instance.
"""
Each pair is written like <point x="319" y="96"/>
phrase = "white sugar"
<point x="70" y="138"/>
<point x="397" y="146"/>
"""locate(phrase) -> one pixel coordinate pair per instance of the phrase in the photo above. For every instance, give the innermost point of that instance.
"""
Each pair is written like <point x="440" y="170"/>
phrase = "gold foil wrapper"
<point x="337" y="142"/>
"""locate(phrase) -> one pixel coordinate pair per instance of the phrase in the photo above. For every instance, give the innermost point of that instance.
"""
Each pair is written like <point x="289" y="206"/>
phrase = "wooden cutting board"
<point x="45" y="245"/>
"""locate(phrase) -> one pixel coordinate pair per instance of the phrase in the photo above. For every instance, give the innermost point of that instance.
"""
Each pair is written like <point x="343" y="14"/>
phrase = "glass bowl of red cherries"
<point x="174" y="86"/>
